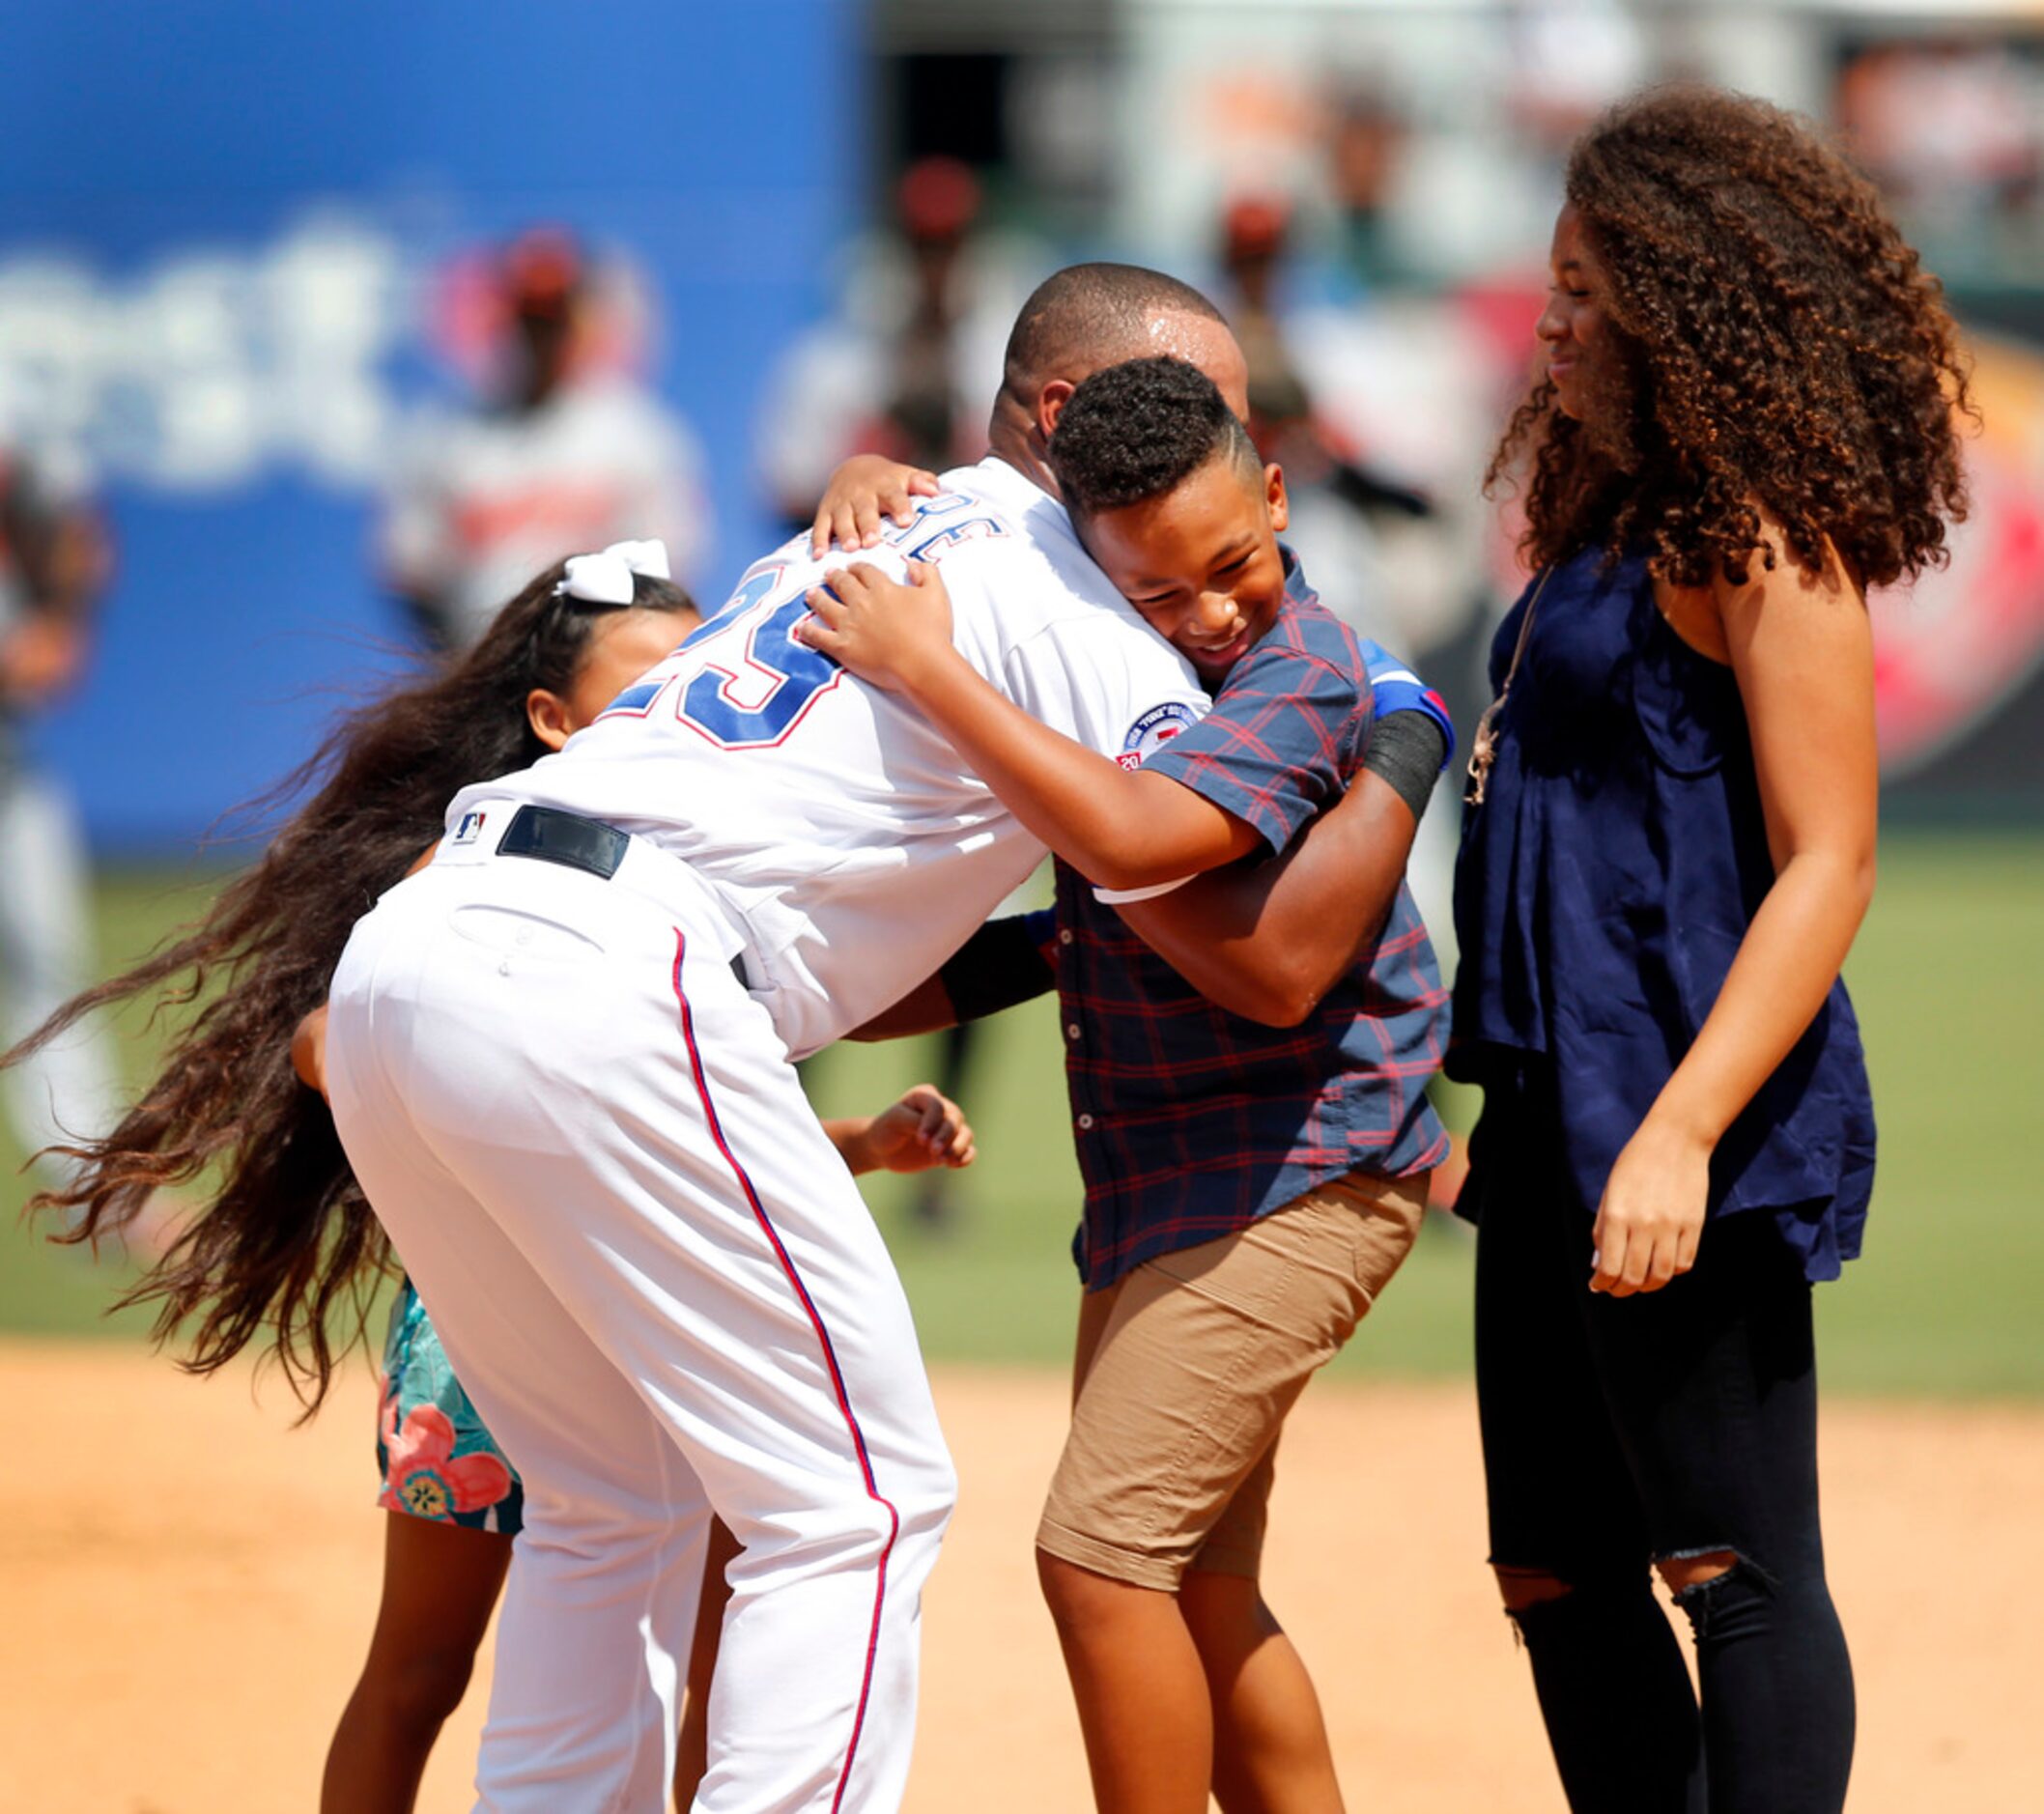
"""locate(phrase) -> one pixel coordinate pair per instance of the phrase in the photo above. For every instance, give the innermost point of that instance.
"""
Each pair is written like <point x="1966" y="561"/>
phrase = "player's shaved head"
<point x="1088" y="316"/>
<point x="1085" y="318"/>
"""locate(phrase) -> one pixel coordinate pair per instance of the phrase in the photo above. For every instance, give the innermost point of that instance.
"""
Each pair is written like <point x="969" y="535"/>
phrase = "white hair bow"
<point x="606" y="578"/>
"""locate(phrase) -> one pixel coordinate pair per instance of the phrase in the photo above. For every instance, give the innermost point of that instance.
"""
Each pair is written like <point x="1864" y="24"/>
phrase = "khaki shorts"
<point x="1186" y="1367"/>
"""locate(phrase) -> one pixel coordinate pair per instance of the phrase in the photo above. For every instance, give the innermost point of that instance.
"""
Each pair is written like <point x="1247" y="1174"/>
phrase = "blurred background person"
<point x="564" y="452"/>
<point x="1365" y="527"/>
<point x="1337" y="493"/>
<point x="54" y="560"/>
<point x="907" y="366"/>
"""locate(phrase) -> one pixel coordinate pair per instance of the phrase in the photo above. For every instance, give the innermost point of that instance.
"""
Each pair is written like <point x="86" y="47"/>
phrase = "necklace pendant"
<point x="1483" y="752"/>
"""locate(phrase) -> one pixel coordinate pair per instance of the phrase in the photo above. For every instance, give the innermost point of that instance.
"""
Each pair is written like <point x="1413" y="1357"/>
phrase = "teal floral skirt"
<point x="437" y="1455"/>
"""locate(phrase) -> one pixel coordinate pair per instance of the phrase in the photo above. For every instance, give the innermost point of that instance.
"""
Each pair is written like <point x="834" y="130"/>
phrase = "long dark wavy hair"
<point x="286" y="1243"/>
<point x="1788" y="358"/>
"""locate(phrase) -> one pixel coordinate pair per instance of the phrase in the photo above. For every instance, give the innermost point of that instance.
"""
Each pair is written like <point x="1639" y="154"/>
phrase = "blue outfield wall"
<point x="218" y="223"/>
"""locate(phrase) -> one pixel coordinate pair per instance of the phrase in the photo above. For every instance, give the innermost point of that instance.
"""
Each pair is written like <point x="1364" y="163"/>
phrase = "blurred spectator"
<point x="1375" y="411"/>
<point x="1337" y="495"/>
<point x="1952" y="132"/>
<point x="1366" y="143"/>
<point x="905" y="367"/>
<point x="557" y="458"/>
<point x="908" y="369"/>
<point x="54" y="560"/>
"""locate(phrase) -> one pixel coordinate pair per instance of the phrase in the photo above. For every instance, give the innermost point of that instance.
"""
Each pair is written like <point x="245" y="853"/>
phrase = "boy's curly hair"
<point x="1135" y="431"/>
<point x="1792" y="367"/>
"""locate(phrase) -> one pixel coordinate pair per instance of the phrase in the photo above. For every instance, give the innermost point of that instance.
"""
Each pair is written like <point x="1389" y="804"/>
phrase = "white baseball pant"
<point x="657" y="1280"/>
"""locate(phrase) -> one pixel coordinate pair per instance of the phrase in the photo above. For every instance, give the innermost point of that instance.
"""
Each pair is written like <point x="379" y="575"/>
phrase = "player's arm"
<point x="924" y="1130"/>
<point x="1005" y="962"/>
<point x="1801" y="649"/>
<point x="1268" y="940"/>
<point x="1120" y="827"/>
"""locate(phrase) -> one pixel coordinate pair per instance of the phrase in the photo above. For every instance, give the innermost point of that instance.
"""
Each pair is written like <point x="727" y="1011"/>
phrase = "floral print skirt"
<point x="437" y="1455"/>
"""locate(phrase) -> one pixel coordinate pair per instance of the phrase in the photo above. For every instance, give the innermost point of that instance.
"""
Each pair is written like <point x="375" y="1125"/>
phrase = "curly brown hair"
<point x="286" y="1243"/>
<point x="1791" y="366"/>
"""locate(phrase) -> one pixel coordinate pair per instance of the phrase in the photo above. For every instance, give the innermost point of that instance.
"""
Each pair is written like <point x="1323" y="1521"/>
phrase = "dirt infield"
<point x="187" y="1586"/>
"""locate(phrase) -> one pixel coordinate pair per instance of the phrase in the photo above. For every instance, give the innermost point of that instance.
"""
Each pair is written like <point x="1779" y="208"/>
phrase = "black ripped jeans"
<point x="1618" y="1432"/>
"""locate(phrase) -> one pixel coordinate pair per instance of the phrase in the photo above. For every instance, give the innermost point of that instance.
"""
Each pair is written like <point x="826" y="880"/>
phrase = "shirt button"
<point x="1063" y="935"/>
<point x="1072" y="1032"/>
<point x="1085" y="1123"/>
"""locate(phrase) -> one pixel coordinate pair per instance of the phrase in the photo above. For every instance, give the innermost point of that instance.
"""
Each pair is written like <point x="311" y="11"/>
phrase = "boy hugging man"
<point x="1250" y="1187"/>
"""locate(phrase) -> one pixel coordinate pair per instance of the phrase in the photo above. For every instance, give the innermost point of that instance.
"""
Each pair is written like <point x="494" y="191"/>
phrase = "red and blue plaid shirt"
<point x="1191" y="1122"/>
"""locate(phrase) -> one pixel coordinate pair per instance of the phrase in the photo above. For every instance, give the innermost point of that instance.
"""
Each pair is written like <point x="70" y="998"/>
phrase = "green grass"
<point x="1951" y="996"/>
<point x="1950" y="986"/>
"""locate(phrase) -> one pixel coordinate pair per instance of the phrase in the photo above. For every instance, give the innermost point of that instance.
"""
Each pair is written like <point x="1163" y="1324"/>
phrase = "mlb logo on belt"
<point x="1155" y="728"/>
<point x="469" y="830"/>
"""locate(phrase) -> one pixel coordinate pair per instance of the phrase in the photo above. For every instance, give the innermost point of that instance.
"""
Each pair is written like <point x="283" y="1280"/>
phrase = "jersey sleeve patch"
<point x="1155" y="728"/>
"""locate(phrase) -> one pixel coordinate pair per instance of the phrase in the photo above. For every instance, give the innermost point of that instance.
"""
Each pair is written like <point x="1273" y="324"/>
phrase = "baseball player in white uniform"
<point x="559" y="1059"/>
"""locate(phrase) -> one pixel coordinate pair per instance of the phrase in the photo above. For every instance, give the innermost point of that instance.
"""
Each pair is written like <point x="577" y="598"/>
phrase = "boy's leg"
<point x="1135" y="1672"/>
<point x="1270" y="1749"/>
<point x="1186" y="1371"/>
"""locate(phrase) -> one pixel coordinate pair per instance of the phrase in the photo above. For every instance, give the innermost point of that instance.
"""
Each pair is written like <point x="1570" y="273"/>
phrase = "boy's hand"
<point x="923" y="1130"/>
<point x="865" y="488"/>
<point x="883" y="631"/>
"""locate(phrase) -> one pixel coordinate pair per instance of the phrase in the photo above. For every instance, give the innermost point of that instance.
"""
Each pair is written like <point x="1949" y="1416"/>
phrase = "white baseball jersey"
<point x="835" y="823"/>
<point x="483" y="501"/>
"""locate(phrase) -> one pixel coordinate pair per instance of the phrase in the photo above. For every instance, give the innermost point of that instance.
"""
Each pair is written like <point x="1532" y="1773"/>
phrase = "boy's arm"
<point x="1268" y="941"/>
<point x="1121" y="827"/>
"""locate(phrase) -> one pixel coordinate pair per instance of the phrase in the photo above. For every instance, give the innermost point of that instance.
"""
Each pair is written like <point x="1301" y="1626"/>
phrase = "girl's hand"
<point x="923" y="1130"/>
<point x="1652" y="1215"/>
<point x="865" y="488"/>
<point x="308" y="1050"/>
<point x="883" y="631"/>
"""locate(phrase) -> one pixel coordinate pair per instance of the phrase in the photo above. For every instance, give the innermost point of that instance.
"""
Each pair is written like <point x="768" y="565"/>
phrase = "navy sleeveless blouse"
<point x="1603" y="889"/>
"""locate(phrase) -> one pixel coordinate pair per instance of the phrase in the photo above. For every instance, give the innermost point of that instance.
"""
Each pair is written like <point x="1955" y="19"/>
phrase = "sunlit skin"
<point x="1202" y="562"/>
<point x="1574" y="332"/>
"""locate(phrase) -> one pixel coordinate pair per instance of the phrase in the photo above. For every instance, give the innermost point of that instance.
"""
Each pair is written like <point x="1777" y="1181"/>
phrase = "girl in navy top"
<point x="1743" y="416"/>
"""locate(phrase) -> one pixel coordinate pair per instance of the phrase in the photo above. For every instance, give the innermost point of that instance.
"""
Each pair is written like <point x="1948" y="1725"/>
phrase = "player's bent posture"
<point x="1250" y="1188"/>
<point x="550" y="661"/>
<point x="559" y="1059"/>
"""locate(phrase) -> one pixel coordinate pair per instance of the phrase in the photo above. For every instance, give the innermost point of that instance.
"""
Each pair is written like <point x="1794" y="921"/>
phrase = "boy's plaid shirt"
<point x="1191" y="1122"/>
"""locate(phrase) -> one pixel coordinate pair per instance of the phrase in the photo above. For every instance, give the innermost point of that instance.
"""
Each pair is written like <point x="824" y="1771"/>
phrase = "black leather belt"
<point x="551" y="836"/>
<point x="564" y="838"/>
